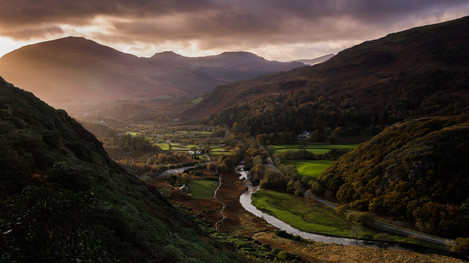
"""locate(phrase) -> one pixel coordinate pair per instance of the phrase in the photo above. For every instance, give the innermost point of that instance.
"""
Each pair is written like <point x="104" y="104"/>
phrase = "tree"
<point x="207" y="150"/>
<point x="262" y="139"/>
<point x="222" y="168"/>
<point x="185" y="178"/>
<point x="212" y="166"/>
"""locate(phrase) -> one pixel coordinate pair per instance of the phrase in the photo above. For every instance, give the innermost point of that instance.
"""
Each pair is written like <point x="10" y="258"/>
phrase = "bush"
<point x="52" y="138"/>
<point x="383" y="237"/>
<point x="283" y="233"/>
<point x="71" y="176"/>
<point x="171" y="254"/>
<point x="461" y="247"/>
<point x="81" y="150"/>
<point x="212" y="166"/>
<point x="282" y="255"/>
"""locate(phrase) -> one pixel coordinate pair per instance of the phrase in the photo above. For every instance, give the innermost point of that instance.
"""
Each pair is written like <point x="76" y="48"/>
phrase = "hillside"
<point x="62" y="199"/>
<point x="415" y="171"/>
<point x="76" y="70"/>
<point x="418" y="72"/>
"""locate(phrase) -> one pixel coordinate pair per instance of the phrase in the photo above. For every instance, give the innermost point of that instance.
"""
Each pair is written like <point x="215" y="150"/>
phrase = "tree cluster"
<point x="415" y="171"/>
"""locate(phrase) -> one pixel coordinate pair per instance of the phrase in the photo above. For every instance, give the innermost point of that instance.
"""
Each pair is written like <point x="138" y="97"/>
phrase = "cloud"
<point x="221" y="24"/>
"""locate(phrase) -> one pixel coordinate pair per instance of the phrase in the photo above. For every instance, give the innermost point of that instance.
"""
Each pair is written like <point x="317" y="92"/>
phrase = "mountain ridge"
<point x="79" y="70"/>
<point x="417" y="72"/>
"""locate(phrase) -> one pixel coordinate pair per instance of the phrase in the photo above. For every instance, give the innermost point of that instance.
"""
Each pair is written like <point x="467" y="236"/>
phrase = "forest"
<point x="414" y="171"/>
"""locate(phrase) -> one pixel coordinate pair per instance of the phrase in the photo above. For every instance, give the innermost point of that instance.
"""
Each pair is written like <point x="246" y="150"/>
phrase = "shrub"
<point x="461" y="247"/>
<point x="171" y="254"/>
<point x="71" y="176"/>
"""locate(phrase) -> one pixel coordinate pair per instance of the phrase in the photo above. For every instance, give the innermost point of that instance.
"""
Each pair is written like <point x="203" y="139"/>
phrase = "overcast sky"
<point x="275" y="29"/>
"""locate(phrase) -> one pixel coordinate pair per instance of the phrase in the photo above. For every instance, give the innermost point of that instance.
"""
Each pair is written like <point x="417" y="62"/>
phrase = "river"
<point x="245" y="200"/>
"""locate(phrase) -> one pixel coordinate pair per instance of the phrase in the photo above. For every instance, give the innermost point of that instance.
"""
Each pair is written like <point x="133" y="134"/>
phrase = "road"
<point x="383" y="226"/>
<point x="272" y="165"/>
<point x="178" y="170"/>
<point x="175" y="171"/>
<point x="392" y="228"/>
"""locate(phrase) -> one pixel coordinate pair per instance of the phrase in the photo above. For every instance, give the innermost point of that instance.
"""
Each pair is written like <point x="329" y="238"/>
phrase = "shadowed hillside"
<point x="62" y="199"/>
<point x="415" y="171"/>
<point x="418" y="72"/>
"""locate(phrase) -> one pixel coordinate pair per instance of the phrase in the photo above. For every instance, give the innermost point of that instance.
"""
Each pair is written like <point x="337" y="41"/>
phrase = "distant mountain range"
<point x="423" y="71"/>
<point x="315" y="61"/>
<point x="75" y="70"/>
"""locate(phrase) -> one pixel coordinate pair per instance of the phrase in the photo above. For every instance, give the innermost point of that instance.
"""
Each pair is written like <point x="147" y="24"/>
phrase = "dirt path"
<point x="392" y="228"/>
<point x="223" y="204"/>
<point x="237" y="219"/>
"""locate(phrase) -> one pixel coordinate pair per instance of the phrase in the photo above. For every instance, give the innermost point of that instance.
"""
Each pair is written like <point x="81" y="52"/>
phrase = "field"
<point x="202" y="189"/>
<point x="294" y="211"/>
<point x="311" y="168"/>
<point x="196" y="101"/>
<point x="315" y="148"/>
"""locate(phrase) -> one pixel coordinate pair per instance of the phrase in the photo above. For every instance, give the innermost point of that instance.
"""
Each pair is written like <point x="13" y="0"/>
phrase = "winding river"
<point x="245" y="200"/>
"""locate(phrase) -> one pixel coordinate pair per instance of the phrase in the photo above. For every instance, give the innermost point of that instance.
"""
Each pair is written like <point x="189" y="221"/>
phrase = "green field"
<point x="311" y="168"/>
<point x="196" y="101"/>
<point x="133" y="133"/>
<point x="202" y="189"/>
<point x="163" y="146"/>
<point x="200" y="132"/>
<point x="315" y="148"/>
<point x="294" y="211"/>
<point x="318" y="218"/>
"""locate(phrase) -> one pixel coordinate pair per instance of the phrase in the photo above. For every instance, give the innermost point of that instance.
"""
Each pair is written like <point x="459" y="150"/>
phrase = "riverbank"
<point x="323" y="252"/>
<point x="242" y="223"/>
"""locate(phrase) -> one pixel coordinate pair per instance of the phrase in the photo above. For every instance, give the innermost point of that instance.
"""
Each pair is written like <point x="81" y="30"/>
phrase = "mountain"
<point x="414" y="171"/>
<point x="77" y="70"/>
<point x="417" y="72"/>
<point x="315" y="61"/>
<point x="62" y="199"/>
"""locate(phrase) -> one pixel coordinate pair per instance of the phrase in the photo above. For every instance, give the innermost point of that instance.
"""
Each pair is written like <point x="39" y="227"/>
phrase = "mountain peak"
<point x="68" y="45"/>
<point x="239" y="55"/>
<point x="166" y="54"/>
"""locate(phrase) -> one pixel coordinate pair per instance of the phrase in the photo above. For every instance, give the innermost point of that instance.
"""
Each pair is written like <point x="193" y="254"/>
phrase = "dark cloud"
<point x="246" y="24"/>
<point x="64" y="11"/>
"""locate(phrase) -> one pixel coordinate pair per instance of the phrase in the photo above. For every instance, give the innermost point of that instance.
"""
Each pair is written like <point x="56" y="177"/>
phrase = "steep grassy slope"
<point x="63" y="200"/>
<point x="419" y="72"/>
<point x="415" y="171"/>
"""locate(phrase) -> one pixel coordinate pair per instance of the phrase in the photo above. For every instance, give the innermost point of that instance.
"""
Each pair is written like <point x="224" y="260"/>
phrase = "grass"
<point x="318" y="218"/>
<point x="315" y="148"/>
<point x="196" y="101"/>
<point x="315" y="151"/>
<point x="202" y="189"/>
<point x="200" y="132"/>
<point x="311" y="168"/>
<point x="163" y="146"/>
<point x="134" y="133"/>
<point x="294" y="211"/>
